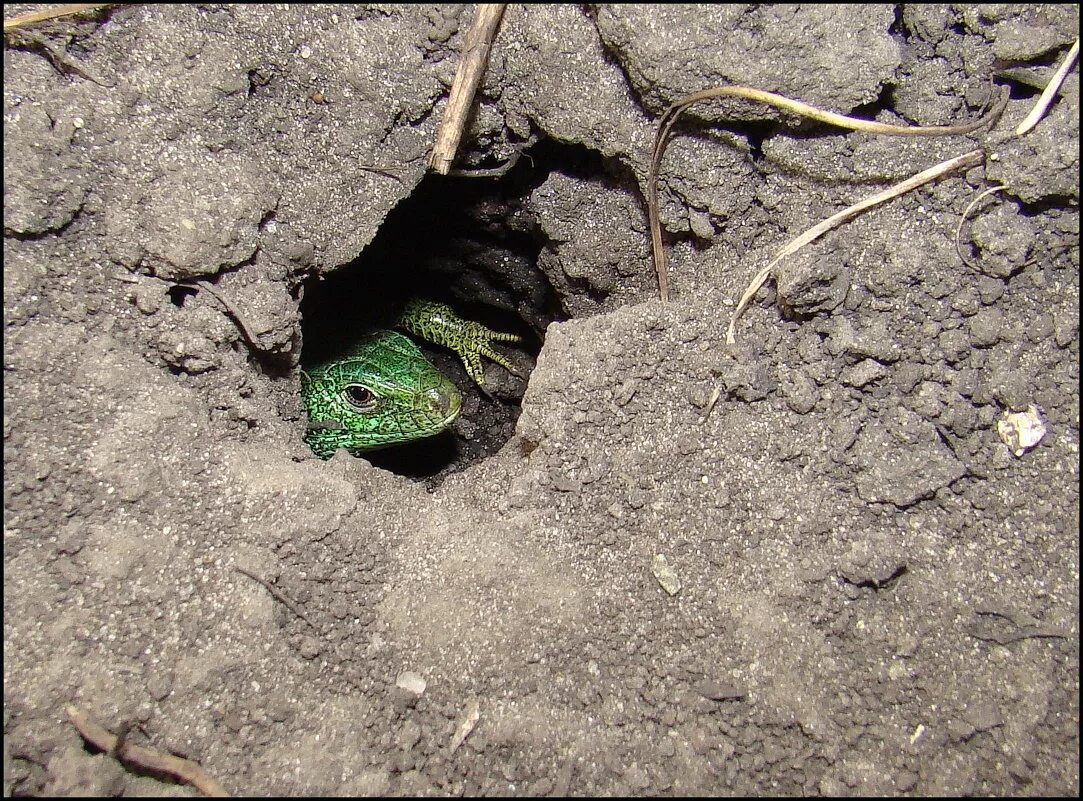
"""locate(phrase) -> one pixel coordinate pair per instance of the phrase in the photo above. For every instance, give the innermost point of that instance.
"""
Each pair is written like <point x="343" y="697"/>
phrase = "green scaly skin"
<point x="385" y="392"/>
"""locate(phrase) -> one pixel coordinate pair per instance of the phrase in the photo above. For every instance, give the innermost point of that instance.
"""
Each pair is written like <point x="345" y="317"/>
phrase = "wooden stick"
<point x="144" y="759"/>
<point x="472" y="67"/>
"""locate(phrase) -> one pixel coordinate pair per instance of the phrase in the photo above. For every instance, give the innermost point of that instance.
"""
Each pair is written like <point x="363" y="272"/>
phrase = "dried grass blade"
<point x="971" y="159"/>
<point x="669" y="118"/>
<point x="1051" y="89"/>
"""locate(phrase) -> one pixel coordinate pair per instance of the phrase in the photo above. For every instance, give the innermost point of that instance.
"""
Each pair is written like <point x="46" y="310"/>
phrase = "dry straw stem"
<point x="50" y="13"/>
<point x="467" y="79"/>
<point x="1049" y="92"/>
<point x="144" y="759"/>
<point x="667" y="121"/>
<point x="971" y="159"/>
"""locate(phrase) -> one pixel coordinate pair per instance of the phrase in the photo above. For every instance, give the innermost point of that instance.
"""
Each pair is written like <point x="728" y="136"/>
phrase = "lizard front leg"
<point x="440" y="324"/>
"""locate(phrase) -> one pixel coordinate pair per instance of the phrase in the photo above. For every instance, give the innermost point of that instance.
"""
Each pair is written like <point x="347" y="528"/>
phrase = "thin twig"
<point x="503" y="169"/>
<point x="381" y="171"/>
<point x="249" y="337"/>
<point x="971" y="159"/>
<point x="144" y="759"/>
<point x="1049" y="92"/>
<point x="36" y="42"/>
<point x="277" y="595"/>
<point x="669" y="118"/>
<point x="962" y="220"/>
<point x="474" y="59"/>
<point x="197" y="284"/>
<point x="50" y="13"/>
<point x="486" y="172"/>
<point x="716" y="393"/>
<point x="988" y="625"/>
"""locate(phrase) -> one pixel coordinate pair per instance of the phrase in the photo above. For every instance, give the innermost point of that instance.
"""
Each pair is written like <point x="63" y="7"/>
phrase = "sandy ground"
<point x="876" y="595"/>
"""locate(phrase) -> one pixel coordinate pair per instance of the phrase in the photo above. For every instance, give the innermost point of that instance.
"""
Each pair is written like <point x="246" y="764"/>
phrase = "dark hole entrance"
<point x="179" y="294"/>
<point x="465" y="242"/>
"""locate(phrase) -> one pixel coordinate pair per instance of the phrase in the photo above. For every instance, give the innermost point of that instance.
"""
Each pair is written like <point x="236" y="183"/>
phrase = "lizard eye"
<point x="359" y="396"/>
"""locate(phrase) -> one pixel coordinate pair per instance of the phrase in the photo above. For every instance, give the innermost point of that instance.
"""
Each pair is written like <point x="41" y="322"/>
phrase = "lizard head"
<point x="384" y="392"/>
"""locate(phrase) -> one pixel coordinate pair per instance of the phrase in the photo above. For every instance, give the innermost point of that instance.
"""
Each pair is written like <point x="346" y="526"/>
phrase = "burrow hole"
<point x="469" y="243"/>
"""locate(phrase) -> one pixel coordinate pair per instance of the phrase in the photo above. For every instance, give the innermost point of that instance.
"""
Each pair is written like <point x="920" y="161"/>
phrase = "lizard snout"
<point x="445" y="401"/>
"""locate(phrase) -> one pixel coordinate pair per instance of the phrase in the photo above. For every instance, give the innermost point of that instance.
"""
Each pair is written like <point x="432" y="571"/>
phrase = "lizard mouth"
<point x="445" y="403"/>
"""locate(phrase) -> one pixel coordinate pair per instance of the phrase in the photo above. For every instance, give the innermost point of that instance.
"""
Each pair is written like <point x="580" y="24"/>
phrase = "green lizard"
<point x="385" y="392"/>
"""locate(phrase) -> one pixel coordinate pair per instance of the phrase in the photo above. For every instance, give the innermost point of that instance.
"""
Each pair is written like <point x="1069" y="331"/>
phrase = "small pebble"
<point x="666" y="575"/>
<point x="411" y="682"/>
